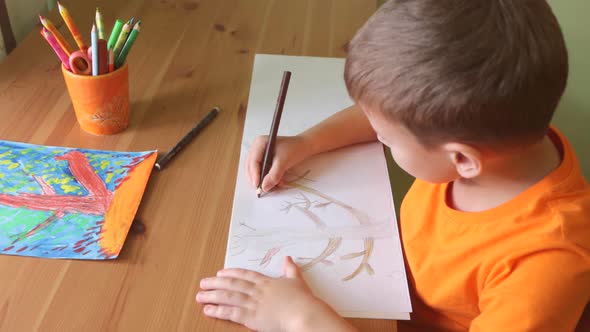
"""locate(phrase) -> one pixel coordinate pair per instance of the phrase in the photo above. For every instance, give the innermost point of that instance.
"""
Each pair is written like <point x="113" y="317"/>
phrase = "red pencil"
<point x="111" y="61"/>
<point x="103" y="57"/>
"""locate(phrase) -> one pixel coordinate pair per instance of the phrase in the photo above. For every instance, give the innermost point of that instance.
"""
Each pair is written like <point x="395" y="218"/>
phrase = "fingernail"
<point x="199" y="296"/>
<point x="208" y="309"/>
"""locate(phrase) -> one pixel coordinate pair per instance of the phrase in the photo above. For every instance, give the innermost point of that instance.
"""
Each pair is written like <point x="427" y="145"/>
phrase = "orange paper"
<point x="68" y="203"/>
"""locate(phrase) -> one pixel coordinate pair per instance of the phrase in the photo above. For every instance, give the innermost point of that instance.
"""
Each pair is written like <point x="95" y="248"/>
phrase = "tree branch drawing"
<point x="334" y="243"/>
<point x="279" y="238"/>
<point x="96" y="202"/>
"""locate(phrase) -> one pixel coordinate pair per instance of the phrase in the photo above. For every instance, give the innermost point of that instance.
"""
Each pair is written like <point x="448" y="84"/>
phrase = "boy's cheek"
<point x="424" y="168"/>
<point x="402" y="161"/>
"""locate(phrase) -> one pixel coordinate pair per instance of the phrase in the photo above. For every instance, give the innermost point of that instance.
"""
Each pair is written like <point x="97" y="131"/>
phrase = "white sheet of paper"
<point x="337" y="220"/>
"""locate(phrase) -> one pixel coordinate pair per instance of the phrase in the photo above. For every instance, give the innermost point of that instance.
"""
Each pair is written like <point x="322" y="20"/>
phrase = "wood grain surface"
<point x="190" y="56"/>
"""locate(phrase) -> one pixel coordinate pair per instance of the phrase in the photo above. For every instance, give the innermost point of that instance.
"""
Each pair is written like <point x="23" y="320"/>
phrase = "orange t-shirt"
<point x="522" y="266"/>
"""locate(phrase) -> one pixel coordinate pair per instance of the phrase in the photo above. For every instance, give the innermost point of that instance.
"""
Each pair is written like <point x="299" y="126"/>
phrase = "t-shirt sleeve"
<point x="543" y="291"/>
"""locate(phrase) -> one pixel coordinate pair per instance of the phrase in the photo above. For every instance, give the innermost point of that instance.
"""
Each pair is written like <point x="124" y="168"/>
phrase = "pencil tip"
<point x="41" y="17"/>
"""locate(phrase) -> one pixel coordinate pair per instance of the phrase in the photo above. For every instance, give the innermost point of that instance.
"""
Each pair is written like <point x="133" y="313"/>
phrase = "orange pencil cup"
<point x="101" y="102"/>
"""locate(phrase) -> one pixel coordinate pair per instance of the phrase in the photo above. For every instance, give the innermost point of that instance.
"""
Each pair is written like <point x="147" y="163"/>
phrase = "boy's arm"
<point x="324" y="319"/>
<point x="542" y="292"/>
<point x="347" y="127"/>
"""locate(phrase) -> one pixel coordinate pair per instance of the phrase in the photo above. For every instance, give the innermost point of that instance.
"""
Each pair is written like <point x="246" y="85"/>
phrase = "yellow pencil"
<point x="122" y="38"/>
<point x="58" y="36"/>
<point x="99" y="24"/>
<point x="65" y="14"/>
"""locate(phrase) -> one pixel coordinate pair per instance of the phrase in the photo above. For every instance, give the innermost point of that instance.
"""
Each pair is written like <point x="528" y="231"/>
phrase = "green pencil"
<point x="115" y="34"/>
<point x="128" y="44"/>
<point x="122" y="38"/>
<point x="99" y="24"/>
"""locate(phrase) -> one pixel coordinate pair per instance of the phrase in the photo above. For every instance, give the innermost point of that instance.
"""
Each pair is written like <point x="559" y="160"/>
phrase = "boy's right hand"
<point x="289" y="151"/>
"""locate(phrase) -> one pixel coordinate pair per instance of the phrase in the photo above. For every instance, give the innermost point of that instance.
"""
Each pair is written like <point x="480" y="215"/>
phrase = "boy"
<point x="495" y="229"/>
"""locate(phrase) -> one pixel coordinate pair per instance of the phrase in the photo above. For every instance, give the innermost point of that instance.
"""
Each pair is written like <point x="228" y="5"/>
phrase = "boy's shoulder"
<point x="559" y="205"/>
<point x="564" y="193"/>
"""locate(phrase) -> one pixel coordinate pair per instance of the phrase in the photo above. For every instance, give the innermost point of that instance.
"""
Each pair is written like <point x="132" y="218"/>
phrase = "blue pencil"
<point x="94" y="41"/>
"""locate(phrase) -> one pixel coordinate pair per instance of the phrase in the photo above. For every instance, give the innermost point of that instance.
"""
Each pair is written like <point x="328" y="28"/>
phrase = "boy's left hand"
<point x="259" y="302"/>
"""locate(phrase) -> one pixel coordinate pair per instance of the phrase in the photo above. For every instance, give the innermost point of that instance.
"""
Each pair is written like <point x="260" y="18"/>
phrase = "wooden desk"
<point x="190" y="56"/>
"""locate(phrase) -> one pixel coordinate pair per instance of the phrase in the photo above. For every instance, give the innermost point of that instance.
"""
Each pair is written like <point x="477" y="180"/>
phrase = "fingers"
<point x="273" y="177"/>
<point x="228" y="297"/>
<point x="254" y="159"/>
<point x="242" y="274"/>
<point x="225" y="297"/>
<point x="290" y="269"/>
<point x="226" y="283"/>
<point x="234" y="314"/>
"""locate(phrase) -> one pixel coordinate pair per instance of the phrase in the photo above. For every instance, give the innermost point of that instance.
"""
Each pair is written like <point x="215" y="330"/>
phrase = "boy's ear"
<point x="467" y="159"/>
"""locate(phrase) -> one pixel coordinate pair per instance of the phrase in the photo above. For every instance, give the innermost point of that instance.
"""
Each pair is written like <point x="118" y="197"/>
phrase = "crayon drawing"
<point x="68" y="203"/>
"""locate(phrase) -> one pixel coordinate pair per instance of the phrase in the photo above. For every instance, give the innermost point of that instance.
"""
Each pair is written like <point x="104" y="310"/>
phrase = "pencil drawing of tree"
<point x="307" y="201"/>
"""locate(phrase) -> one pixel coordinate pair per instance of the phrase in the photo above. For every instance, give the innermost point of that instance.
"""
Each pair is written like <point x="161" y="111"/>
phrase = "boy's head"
<point x="483" y="73"/>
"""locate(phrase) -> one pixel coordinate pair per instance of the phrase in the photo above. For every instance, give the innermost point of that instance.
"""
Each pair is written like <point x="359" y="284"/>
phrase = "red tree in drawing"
<point x="96" y="202"/>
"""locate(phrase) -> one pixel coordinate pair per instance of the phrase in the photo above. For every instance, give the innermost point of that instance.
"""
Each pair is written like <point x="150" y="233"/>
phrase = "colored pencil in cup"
<point x="103" y="57"/>
<point x="128" y="44"/>
<point x="111" y="61"/>
<point x="56" y="47"/>
<point x="274" y="129"/>
<point x="122" y="38"/>
<point x="187" y="138"/>
<point x="65" y="14"/>
<point x="94" y="43"/>
<point x="58" y="36"/>
<point x="115" y="34"/>
<point x="99" y="24"/>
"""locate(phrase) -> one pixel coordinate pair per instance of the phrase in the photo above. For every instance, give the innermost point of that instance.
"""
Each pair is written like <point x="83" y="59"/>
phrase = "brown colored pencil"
<point x="274" y="129"/>
<point x="187" y="138"/>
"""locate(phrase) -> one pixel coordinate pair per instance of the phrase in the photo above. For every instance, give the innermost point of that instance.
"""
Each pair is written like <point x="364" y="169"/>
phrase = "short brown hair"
<point x="480" y="71"/>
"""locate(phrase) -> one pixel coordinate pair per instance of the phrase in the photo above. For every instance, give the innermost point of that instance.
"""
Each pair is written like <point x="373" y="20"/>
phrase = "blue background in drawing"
<point x="18" y="162"/>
